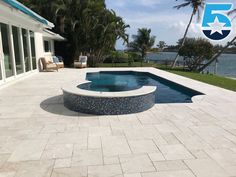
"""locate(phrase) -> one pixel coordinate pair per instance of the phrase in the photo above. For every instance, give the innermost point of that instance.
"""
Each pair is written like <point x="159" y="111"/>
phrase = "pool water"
<point x="167" y="91"/>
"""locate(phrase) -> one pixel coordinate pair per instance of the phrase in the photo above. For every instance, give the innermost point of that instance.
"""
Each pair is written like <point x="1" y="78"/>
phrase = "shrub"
<point x="195" y="52"/>
<point x="117" y="57"/>
<point x="135" y="56"/>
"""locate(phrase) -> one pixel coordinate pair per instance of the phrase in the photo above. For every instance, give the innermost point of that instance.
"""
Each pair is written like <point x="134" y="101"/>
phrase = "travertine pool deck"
<point x="39" y="137"/>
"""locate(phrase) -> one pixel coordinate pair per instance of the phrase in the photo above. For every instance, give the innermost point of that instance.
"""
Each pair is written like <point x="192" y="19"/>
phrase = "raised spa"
<point x="123" y="92"/>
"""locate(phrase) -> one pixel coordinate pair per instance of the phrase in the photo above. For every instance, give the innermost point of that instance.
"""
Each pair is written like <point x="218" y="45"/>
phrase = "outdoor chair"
<point x="81" y="63"/>
<point x="59" y="62"/>
<point x="48" y="65"/>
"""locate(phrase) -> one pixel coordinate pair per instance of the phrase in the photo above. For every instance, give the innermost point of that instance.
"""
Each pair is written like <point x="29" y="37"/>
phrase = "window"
<point x="1" y="57"/>
<point x="47" y="47"/>
<point x="32" y="41"/>
<point x="0" y="71"/>
<point x="26" y="48"/>
<point x="18" y="61"/>
<point x="6" y="50"/>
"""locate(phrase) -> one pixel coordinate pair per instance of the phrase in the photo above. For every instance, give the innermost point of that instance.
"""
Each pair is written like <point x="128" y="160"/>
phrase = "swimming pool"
<point x="123" y="92"/>
<point x="121" y="81"/>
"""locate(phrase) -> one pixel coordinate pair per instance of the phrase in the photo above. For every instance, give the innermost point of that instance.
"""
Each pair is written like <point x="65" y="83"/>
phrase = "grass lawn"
<point x="135" y="64"/>
<point x="219" y="81"/>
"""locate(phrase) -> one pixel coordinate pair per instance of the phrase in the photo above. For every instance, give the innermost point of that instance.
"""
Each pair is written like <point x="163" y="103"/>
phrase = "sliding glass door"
<point x="6" y="51"/>
<point x="17" y="51"/>
<point x="33" y="53"/>
<point x="1" y="57"/>
<point x="0" y="71"/>
<point x="26" y="50"/>
<point x="18" y="59"/>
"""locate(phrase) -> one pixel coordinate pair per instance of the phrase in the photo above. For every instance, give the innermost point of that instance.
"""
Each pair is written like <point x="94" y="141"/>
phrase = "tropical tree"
<point x="161" y="45"/>
<point x="43" y="7"/>
<point x="142" y="42"/>
<point x="88" y="26"/>
<point x="195" y="52"/>
<point x="102" y="39"/>
<point x="219" y="53"/>
<point x="196" y="6"/>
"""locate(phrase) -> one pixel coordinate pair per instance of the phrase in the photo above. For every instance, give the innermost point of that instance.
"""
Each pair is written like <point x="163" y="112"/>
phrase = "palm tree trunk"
<point x="62" y="24"/>
<point x="142" y="55"/>
<point x="216" y="56"/>
<point x="184" y="38"/>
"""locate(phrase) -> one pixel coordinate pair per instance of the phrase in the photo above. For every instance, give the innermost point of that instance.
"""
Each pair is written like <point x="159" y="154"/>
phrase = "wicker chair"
<point x="49" y="65"/>
<point x="59" y="62"/>
<point x="82" y="63"/>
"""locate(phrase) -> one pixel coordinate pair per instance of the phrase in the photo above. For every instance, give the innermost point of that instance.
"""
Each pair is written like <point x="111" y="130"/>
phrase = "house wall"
<point x="39" y="43"/>
<point x="51" y="46"/>
<point x="21" y="44"/>
<point x="39" y="49"/>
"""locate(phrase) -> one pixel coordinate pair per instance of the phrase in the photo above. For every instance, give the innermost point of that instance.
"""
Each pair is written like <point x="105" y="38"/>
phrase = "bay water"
<point x="226" y="63"/>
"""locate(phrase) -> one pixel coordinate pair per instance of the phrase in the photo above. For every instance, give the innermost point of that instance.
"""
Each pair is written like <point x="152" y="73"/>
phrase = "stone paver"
<point x="39" y="137"/>
<point x="170" y="165"/>
<point x="143" y="146"/>
<point x="156" y="156"/>
<point x="70" y="172"/>
<point x="184" y="173"/>
<point x="28" y="150"/>
<point x="105" y="171"/>
<point x="136" y="163"/>
<point x="206" y="168"/>
<point x="87" y="157"/>
<point x="55" y="151"/>
<point x="175" y="152"/>
<point x="62" y="163"/>
<point x="115" y="145"/>
<point x="42" y="168"/>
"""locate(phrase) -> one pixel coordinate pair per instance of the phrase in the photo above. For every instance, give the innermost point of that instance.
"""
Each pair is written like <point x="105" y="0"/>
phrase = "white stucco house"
<point x="25" y="37"/>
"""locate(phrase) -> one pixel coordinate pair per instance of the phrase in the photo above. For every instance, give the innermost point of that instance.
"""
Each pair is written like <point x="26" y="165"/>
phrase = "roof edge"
<point x="17" y="5"/>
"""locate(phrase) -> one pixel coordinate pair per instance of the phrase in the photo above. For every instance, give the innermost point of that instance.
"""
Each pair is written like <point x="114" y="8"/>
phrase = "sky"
<point x="167" y="24"/>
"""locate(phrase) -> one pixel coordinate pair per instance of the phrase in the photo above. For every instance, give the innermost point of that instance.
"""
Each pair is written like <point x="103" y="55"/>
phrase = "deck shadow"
<point x="55" y="105"/>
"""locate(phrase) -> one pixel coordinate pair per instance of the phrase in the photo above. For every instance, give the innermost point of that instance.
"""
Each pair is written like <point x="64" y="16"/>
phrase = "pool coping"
<point x="74" y="89"/>
<point x="103" y="103"/>
<point x="210" y="92"/>
<point x="144" y="90"/>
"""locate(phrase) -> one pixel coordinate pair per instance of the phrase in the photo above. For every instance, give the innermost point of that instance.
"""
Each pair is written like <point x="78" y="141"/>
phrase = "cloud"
<point x="148" y="3"/>
<point x="167" y="24"/>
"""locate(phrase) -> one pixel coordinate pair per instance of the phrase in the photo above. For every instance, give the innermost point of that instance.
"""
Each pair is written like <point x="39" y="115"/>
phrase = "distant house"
<point x="24" y="39"/>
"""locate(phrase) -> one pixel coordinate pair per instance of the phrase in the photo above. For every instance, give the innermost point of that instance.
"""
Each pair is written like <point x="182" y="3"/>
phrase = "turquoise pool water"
<point x="167" y="91"/>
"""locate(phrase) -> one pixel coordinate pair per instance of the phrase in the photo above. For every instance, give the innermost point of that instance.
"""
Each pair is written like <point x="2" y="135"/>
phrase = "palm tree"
<point x="88" y="26"/>
<point x="143" y="42"/>
<point x="196" y="5"/>
<point x="110" y="28"/>
<point x="43" y="7"/>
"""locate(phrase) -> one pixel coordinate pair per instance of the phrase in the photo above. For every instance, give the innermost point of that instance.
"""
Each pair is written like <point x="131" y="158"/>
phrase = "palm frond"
<point x="182" y="5"/>
<point x="232" y="12"/>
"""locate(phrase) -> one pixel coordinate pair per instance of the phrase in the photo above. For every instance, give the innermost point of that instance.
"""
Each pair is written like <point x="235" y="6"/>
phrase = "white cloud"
<point x="167" y="24"/>
<point x="148" y="2"/>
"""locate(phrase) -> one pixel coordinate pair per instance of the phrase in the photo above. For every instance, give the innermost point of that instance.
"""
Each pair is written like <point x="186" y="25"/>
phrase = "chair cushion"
<point x="83" y="59"/>
<point x="55" y="59"/>
<point x="48" y="59"/>
<point x="60" y="58"/>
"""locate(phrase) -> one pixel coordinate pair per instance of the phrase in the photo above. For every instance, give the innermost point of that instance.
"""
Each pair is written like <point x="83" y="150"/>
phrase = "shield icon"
<point x="216" y="24"/>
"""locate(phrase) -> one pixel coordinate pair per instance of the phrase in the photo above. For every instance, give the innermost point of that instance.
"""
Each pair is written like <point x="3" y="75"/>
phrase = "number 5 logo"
<point x="216" y="24"/>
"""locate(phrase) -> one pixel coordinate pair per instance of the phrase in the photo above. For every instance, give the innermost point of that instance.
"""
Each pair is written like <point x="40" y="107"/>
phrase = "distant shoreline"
<point x="177" y="51"/>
